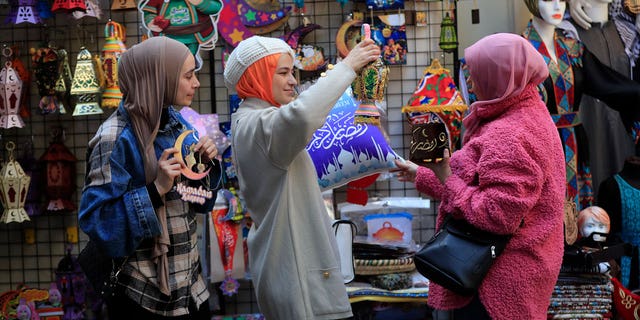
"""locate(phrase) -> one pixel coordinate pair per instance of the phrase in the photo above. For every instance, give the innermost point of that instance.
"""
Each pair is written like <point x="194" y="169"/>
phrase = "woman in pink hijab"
<point x="508" y="178"/>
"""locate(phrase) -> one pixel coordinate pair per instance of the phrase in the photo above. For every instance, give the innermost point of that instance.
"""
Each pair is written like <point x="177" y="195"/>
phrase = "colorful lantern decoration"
<point x="24" y="75"/>
<point x="31" y="166"/>
<point x="72" y="283"/>
<point x="369" y="87"/>
<point x="68" y="6"/>
<point x="46" y="70"/>
<point x="64" y="81"/>
<point x="85" y="85"/>
<point x="60" y="167"/>
<point x="93" y="10"/>
<point x="448" y="36"/>
<point x="10" y="94"/>
<point x="14" y="184"/>
<point x="435" y="108"/>
<point x="113" y="47"/>
<point x="23" y="11"/>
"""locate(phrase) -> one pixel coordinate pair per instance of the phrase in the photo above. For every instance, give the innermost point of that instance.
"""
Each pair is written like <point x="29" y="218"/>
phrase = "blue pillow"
<point x="343" y="151"/>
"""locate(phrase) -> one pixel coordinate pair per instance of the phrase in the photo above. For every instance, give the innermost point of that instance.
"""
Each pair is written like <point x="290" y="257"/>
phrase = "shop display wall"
<point x="34" y="264"/>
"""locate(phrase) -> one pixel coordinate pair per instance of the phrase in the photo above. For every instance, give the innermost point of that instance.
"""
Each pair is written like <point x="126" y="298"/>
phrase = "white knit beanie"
<point x="249" y="51"/>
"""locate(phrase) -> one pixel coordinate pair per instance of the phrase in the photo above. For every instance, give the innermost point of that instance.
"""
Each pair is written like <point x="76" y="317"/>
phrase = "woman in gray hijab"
<point x="131" y="205"/>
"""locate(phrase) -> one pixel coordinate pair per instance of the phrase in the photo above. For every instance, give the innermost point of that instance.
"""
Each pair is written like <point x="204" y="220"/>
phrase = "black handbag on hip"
<point x="101" y="270"/>
<point x="459" y="256"/>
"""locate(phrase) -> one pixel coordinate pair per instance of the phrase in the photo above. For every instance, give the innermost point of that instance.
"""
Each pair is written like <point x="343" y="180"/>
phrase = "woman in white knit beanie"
<point x="293" y="254"/>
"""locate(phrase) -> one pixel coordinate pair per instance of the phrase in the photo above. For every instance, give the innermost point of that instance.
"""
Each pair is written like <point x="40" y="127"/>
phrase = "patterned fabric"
<point x="437" y="93"/>
<point x="627" y="303"/>
<point x="568" y="53"/>
<point x="581" y="296"/>
<point x="625" y="24"/>
<point x="630" y="223"/>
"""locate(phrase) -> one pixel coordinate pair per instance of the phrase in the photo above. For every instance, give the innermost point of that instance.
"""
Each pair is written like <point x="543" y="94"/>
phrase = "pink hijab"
<point x="502" y="66"/>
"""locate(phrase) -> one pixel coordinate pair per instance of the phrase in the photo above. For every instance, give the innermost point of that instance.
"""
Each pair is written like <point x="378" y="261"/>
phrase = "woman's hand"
<point x="405" y="171"/>
<point x="207" y="148"/>
<point x="442" y="169"/>
<point x="168" y="171"/>
<point x="364" y="52"/>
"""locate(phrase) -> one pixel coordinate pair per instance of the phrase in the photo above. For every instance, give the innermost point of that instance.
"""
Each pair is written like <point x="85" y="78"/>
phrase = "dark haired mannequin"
<point x="619" y="195"/>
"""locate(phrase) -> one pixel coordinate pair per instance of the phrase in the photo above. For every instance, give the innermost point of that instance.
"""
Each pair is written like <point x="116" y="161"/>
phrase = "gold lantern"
<point x="62" y="83"/>
<point x="85" y="85"/>
<point x="14" y="185"/>
<point x="10" y="95"/>
<point x="369" y="87"/>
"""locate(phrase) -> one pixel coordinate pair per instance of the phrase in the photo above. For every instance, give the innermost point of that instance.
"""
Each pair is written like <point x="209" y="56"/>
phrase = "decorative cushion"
<point x="343" y="151"/>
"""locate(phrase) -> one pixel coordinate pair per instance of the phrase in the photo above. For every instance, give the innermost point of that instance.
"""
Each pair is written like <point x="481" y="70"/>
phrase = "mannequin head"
<point x="593" y="219"/>
<point x="551" y="11"/>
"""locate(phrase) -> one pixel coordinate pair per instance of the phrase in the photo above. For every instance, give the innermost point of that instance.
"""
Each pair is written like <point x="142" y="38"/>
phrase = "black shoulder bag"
<point x="459" y="256"/>
<point x="101" y="270"/>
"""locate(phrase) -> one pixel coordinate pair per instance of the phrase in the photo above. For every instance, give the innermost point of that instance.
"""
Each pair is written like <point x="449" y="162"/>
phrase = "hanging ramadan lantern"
<point x="111" y="51"/>
<point x="369" y="87"/>
<point x="13" y="188"/>
<point x="46" y="69"/>
<point x="435" y="111"/>
<point x="448" y="37"/>
<point x="68" y="6"/>
<point x="93" y="11"/>
<point x="32" y="168"/>
<point x="23" y="11"/>
<point x="63" y="81"/>
<point x="60" y="168"/>
<point x="24" y="75"/>
<point x="85" y="85"/>
<point x="10" y="94"/>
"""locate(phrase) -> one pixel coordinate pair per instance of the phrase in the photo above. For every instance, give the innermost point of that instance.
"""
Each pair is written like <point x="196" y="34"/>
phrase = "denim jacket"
<point x="115" y="208"/>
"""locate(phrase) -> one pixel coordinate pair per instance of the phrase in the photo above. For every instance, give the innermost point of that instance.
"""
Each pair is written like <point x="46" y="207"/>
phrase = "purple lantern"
<point x="23" y="11"/>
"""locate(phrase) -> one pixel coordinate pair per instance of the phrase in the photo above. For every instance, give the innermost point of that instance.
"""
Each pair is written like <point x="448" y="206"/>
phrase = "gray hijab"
<point x="148" y="75"/>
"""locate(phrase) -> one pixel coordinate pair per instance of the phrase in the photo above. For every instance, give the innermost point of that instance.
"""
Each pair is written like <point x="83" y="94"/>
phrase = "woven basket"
<point x="383" y="266"/>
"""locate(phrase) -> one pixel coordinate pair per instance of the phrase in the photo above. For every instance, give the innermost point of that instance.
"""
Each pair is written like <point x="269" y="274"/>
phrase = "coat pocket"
<point x="327" y="292"/>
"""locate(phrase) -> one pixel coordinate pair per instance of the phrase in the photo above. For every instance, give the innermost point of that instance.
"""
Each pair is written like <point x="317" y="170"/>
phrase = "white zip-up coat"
<point x="293" y="255"/>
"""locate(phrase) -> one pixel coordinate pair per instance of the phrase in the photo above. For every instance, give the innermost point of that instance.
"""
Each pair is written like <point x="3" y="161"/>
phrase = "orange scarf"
<point x="257" y="80"/>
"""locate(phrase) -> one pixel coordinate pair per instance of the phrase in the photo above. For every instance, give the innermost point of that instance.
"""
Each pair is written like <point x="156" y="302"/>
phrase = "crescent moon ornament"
<point x="347" y="36"/>
<point x="186" y="169"/>
<point x="294" y="36"/>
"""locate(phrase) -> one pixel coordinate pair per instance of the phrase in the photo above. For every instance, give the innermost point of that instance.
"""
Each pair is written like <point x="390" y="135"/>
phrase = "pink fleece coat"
<point x="511" y="168"/>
